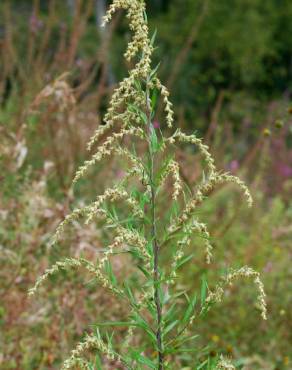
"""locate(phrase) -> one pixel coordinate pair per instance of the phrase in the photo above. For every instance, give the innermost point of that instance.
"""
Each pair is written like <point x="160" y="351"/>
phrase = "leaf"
<point x="138" y="85"/>
<point x="161" y="171"/>
<point x="135" y="109"/>
<point x="145" y="16"/>
<point x="152" y="336"/>
<point x="154" y="71"/>
<point x="187" y="339"/>
<point x="144" y="271"/>
<point x="183" y="260"/>
<point x="135" y="253"/>
<point x="144" y="360"/>
<point x="187" y="350"/>
<point x="154" y="100"/>
<point x="153" y="140"/>
<point x="129" y="293"/>
<point x="144" y="117"/>
<point x="190" y="309"/>
<point x="111" y="275"/>
<point x="170" y="313"/>
<point x="204" y="287"/>
<point x="169" y="327"/>
<point x="115" y="323"/>
<point x="178" y="294"/>
<point x="202" y="365"/>
<point x="153" y="37"/>
<point x="141" y="323"/>
<point x="98" y="364"/>
<point x="143" y="200"/>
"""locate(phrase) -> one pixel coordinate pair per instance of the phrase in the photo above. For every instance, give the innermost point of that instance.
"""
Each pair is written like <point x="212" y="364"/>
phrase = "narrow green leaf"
<point x="202" y="365"/>
<point x="190" y="309"/>
<point x="144" y="271"/>
<point x="110" y="273"/>
<point x="170" y="327"/>
<point x="145" y="16"/>
<point x="138" y="85"/>
<point x="204" y="287"/>
<point x="98" y="364"/>
<point x="184" y="260"/>
<point x="129" y="293"/>
<point x="154" y="71"/>
<point x="154" y="99"/>
<point x="115" y="323"/>
<point x="144" y="360"/>
<point x="183" y="340"/>
<point x="170" y="312"/>
<point x="153" y="140"/>
<point x="143" y="324"/>
<point x="144" y="117"/>
<point x="152" y="41"/>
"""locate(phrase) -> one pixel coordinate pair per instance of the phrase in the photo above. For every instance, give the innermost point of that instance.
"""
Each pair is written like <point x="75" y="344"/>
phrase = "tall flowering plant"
<point x="159" y="315"/>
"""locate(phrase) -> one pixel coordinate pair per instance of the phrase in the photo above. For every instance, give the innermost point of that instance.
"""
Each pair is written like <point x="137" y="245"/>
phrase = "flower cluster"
<point x="106" y="149"/>
<point x="94" y="209"/>
<point x="70" y="263"/>
<point x="189" y="230"/>
<point x="168" y="105"/>
<point x="224" y="364"/>
<point x="244" y="272"/>
<point x="206" y="189"/>
<point x="173" y="169"/>
<point x="90" y="342"/>
<point x="143" y="233"/>
<point x="58" y="92"/>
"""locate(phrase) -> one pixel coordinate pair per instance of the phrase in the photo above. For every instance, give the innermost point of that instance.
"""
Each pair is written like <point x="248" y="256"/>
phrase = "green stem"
<point x="155" y="245"/>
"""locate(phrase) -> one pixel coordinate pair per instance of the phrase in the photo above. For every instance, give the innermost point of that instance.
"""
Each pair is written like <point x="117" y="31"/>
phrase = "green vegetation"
<point x="227" y="65"/>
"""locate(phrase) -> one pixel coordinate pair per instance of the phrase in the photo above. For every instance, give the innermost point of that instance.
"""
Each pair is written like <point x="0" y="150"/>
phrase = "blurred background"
<point x="228" y="65"/>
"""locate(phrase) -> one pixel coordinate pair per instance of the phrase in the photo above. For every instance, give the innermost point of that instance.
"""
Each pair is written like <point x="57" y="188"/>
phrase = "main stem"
<point x="155" y="245"/>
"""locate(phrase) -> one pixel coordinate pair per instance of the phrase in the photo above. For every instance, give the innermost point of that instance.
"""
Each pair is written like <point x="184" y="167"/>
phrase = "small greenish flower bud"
<point x="279" y="123"/>
<point x="267" y="132"/>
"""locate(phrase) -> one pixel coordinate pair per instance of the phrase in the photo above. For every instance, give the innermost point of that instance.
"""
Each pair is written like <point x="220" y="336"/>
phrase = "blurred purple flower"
<point x="120" y="174"/>
<point x="268" y="267"/>
<point x="35" y="24"/>
<point x="156" y="124"/>
<point x="79" y="62"/>
<point x="285" y="170"/>
<point x="233" y="166"/>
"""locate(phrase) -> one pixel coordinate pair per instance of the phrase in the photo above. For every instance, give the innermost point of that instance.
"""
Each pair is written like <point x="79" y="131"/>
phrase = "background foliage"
<point x="228" y="64"/>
